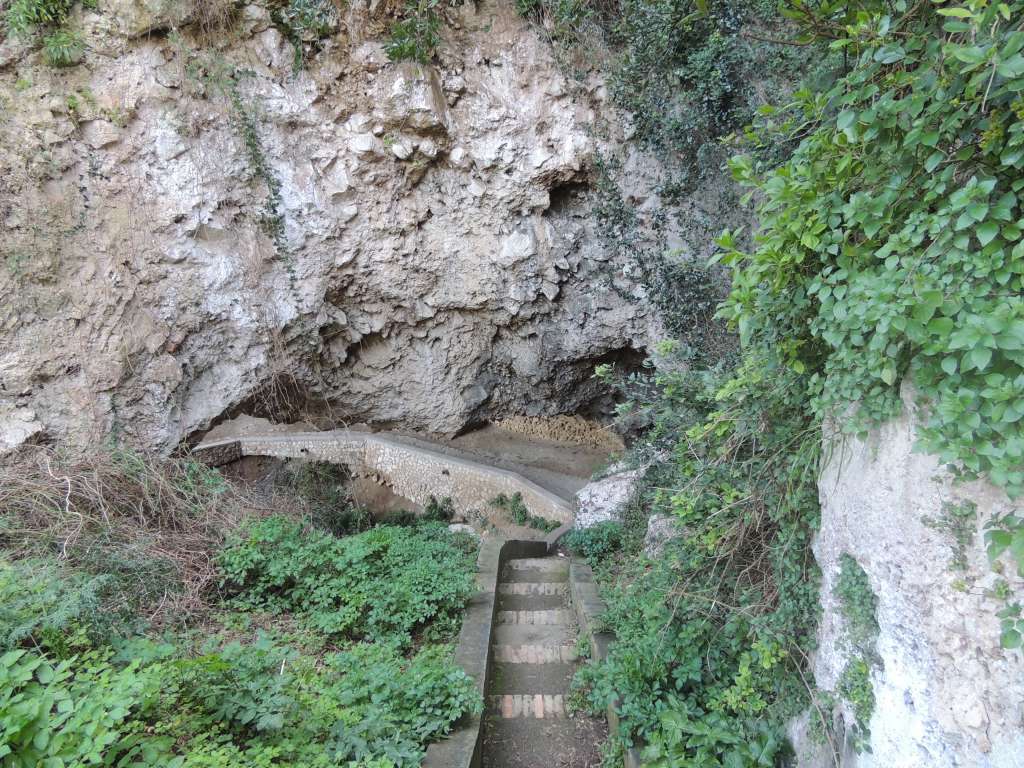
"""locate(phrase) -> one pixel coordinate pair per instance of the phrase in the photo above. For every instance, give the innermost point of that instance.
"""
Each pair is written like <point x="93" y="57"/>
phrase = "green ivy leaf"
<point x="986" y="231"/>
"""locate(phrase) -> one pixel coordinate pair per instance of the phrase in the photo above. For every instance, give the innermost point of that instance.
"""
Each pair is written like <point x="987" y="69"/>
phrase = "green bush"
<point x="44" y="606"/>
<point x="26" y="16"/>
<point x="596" y="543"/>
<point x="416" y="36"/>
<point x="322" y="486"/>
<point x="855" y="687"/>
<point x="81" y="684"/>
<point x="439" y="510"/>
<point x="304" y="23"/>
<point x="77" y="713"/>
<point x="269" y="702"/>
<point x="890" y="247"/>
<point x="63" y="48"/>
<point x="386" y="583"/>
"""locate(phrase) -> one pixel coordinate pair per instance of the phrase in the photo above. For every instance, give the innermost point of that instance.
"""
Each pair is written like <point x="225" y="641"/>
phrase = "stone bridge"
<point x="411" y="468"/>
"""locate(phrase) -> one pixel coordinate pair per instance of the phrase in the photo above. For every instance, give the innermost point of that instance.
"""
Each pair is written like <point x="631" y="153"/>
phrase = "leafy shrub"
<point x="388" y="582"/>
<point x="595" y="543"/>
<point x="93" y="691"/>
<point x="63" y="48"/>
<point x="47" y="607"/>
<point x="322" y="485"/>
<point x="439" y="510"/>
<point x="420" y="700"/>
<point x="890" y="247"/>
<point x="709" y="636"/>
<point x="305" y="22"/>
<point x="76" y="712"/>
<point x="855" y="687"/>
<point x="1005" y="533"/>
<point x="25" y="16"/>
<point x="416" y="37"/>
<point x="267" y="701"/>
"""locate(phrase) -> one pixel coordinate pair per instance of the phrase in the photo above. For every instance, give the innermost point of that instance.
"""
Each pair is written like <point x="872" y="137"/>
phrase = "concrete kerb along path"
<point x="412" y="471"/>
<point x="589" y="606"/>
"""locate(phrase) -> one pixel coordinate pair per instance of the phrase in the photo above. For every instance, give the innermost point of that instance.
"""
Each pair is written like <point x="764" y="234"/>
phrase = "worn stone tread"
<point x="552" y="677"/>
<point x="533" y="634"/>
<point x="548" y="564"/>
<point x="527" y="588"/>
<point x="534" y="654"/>
<point x="532" y="602"/>
<point x="542" y="618"/>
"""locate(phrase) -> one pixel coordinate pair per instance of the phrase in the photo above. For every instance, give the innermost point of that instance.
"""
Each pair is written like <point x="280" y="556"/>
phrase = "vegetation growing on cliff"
<point x="889" y="250"/>
<point x="48" y="19"/>
<point x="117" y="649"/>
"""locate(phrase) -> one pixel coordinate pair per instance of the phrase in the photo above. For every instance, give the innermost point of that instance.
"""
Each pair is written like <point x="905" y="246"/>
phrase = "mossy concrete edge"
<point x="463" y="746"/>
<point x="589" y="606"/>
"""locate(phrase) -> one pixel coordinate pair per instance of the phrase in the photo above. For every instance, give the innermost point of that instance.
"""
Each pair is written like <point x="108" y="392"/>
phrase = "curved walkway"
<point x="414" y="468"/>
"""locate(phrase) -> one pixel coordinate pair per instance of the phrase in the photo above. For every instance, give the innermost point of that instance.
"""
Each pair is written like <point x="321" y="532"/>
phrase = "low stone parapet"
<point x="412" y="471"/>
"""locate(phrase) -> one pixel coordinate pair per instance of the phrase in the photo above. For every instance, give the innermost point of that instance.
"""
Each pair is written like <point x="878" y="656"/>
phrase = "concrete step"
<point x="532" y="576"/>
<point x="537" y="706"/>
<point x="532" y="602"/>
<point x="554" y="677"/>
<point x="545" y="588"/>
<point x="543" y="618"/>
<point x="534" y="654"/>
<point x="532" y="634"/>
<point x="549" y="564"/>
<point x="526" y="742"/>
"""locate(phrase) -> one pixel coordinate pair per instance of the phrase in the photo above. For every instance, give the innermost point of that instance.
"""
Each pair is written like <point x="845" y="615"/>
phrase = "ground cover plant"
<point x="284" y="644"/>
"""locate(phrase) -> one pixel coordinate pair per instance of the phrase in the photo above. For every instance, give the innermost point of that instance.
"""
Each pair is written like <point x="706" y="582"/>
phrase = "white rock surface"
<point x="143" y="295"/>
<point x="947" y="694"/>
<point x="604" y="500"/>
<point x="661" y="529"/>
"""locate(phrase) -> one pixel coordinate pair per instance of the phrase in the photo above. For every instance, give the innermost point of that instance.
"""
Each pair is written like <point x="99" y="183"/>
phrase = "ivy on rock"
<point x="891" y="246"/>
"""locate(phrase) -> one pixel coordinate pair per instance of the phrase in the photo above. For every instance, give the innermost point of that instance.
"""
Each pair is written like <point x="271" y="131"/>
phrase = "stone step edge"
<point x="539" y="706"/>
<point x="547" y="617"/>
<point x="534" y="654"/>
<point x="547" y="564"/>
<point x="542" y="588"/>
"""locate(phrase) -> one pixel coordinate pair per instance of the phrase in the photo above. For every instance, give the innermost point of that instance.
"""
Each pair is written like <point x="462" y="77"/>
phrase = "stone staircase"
<point x="527" y="724"/>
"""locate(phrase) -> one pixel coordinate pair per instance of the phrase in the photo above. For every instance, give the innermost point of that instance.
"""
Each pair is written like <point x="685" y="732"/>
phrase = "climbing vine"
<point x="891" y="245"/>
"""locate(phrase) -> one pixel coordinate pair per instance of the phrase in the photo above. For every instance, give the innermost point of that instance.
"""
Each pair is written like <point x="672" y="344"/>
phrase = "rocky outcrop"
<point x="946" y="693"/>
<point x="604" y="500"/>
<point x="193" y="228"/>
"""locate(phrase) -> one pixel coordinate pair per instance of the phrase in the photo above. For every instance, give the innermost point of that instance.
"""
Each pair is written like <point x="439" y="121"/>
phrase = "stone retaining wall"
<point x="413" y="472"/>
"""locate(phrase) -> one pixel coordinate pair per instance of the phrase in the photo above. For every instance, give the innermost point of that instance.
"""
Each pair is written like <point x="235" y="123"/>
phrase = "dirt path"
<point x="527" y="724"/>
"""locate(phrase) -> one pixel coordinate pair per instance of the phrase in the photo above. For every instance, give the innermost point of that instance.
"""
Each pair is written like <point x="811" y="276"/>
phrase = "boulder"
<point x="605" y="499"/>
<point x="661" y="529"/>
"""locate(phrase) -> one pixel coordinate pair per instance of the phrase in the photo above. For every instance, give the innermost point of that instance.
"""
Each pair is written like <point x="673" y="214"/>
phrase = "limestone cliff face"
<point x="946" y="693"/>
<point x="430" y="258"/>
